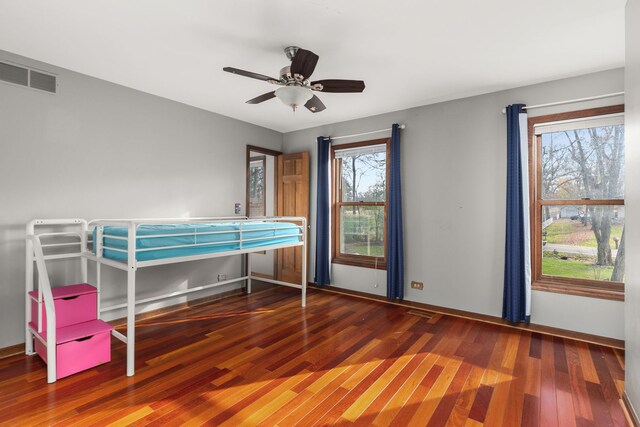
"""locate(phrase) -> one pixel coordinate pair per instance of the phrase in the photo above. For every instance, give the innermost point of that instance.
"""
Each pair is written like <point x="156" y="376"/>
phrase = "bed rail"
<point x="133" y="225"/>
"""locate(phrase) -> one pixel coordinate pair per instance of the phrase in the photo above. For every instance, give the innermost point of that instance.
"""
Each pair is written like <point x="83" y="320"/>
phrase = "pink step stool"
<point x="82" y="341"/>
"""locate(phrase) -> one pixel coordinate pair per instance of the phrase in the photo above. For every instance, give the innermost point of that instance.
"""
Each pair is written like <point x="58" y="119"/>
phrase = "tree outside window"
<point x="360" y="190"/>
<point x="578" y="188"/>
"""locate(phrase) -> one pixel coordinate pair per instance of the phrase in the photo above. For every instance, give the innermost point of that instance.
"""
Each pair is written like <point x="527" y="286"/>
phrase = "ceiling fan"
<point x="295" y="87"/>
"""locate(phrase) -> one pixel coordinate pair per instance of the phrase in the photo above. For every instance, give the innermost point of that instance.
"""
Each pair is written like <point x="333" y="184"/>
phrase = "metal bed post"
<point x="131" y="300"/>
<point x="304" y="263"/>
<point x="248" y="273"/>
<point x="28" y="340"/>
<point x="248" y="260"/>
<point x="83" y="247"/>
<point x="49" y="306"/>
<point x="97" y="248"/>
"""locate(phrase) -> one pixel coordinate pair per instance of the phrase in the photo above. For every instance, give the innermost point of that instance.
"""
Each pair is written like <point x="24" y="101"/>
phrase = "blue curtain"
<point x="516" y="304"/>
<point x="323" y="232"/>
<point x="395" y="254"/>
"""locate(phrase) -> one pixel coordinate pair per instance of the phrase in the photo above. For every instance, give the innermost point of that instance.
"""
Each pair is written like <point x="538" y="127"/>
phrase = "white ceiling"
<point x="409" y="53"/>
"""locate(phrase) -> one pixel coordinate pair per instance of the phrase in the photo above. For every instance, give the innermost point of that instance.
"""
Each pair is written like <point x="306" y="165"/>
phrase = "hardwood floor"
<point x="263" y="360"/>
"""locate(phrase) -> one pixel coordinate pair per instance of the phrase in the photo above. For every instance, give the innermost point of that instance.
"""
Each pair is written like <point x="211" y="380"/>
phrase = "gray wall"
<point x="632" y="303"/>
<point x="453" y="160"/>
<point x="99" y="150"/>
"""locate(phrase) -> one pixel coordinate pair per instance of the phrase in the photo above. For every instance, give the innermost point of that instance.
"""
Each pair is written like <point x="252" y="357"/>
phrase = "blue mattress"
<point x="283" y="232"/>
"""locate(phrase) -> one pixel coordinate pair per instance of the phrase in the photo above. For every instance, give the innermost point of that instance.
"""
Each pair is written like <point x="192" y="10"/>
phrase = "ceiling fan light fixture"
<point x="295" y="87"/>
<point x="293" y="96"/>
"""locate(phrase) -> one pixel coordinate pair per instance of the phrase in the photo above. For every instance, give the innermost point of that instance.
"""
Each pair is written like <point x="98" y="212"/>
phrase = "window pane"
<point x="362" y="230"/>
<point x="583" y="163"/>
<point x="364" y="177"/>
<point x="256" y="188"/>
<point x="583" y="242"/>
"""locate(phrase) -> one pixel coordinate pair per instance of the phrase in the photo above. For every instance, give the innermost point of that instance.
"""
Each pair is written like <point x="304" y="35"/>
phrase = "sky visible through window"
<point x="584" y="163"/>
<point x="364" y="178"/>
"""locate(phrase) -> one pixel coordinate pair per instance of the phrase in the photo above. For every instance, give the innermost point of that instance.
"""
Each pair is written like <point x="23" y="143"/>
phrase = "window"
<point x="577" y="188"/>
<point x="360" y="203"/>
<point x="257" y="186"/>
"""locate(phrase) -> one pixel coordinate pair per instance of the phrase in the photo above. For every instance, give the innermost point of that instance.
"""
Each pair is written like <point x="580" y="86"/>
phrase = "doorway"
<point x="277" y="185"/>
<point x="261" y="200"/>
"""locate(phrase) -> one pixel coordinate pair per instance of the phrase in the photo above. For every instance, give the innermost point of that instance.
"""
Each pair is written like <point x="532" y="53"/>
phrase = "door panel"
<point x="293" y="200"/>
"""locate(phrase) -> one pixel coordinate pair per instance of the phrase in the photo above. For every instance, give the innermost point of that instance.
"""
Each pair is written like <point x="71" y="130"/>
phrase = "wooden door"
<point x="293" y="200"/>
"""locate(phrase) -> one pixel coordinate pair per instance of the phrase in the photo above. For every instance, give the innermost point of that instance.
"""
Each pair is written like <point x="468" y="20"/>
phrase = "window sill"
<point x="364" y="263"/>
<point x="616" y="294"/>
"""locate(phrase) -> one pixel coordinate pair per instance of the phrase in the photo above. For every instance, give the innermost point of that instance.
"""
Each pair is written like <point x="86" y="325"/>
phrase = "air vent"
<point x="43" y="81"/>
<point x="14" y="74"/>
<point x="23" y="76"/>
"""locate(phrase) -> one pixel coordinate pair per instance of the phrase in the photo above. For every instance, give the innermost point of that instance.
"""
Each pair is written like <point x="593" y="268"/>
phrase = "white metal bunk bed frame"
<point x="35" y="252"/>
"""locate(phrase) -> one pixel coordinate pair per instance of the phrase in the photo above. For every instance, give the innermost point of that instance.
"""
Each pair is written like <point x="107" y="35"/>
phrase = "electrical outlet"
<point x="222" y="277"/>
<point x="417" y="285"/>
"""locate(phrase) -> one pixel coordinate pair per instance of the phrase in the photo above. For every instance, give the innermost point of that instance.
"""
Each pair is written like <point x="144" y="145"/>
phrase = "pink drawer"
<point x="81" y="353"/>
<point x="74" y="304"/>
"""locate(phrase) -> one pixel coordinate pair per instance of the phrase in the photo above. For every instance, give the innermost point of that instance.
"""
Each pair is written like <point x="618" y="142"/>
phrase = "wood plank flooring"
<point x="263" y="360"/>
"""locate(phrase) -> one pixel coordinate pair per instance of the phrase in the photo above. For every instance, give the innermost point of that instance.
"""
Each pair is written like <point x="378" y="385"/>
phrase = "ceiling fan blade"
<point x="304" y="63"/>
<point x="339" y="86"/>
<point x="250" y="74"/>
<point x="264" y="97"/>
<point x="315" y="105"/>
